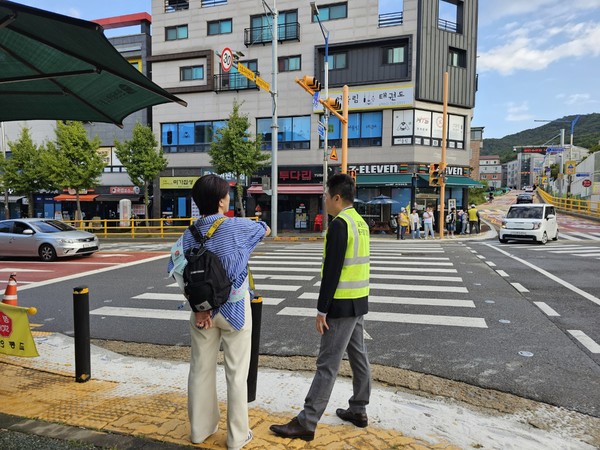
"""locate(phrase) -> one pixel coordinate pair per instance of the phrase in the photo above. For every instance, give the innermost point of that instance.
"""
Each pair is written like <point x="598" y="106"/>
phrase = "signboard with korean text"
<point x="246" y="72"/>
<point x="177" y="182"/>
<point x="422" y="123"/>
<point x="374" y="98"/>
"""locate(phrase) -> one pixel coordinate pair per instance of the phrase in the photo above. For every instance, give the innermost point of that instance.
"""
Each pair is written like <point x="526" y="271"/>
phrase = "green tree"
<point x="140" y="157"/>
<point x="25" y="172"/>
<point x="234" y="151"/>
<point x="73" y="159"/>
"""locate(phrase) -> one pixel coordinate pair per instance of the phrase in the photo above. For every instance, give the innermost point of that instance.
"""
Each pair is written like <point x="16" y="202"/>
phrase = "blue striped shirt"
<point x="233" y="242"/>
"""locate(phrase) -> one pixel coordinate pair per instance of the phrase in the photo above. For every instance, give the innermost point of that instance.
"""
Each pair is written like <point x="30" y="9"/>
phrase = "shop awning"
<point x="404" y="179"/>
<point x="12" y="198"/>
<point x="289" y="189"/>
<point x="457" y="181"/>
<point x="73" y="198"/>
<point x="116" y="198"/>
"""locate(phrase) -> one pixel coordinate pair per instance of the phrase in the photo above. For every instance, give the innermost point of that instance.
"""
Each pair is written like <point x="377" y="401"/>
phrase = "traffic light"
<point x="436" y="177"/>
<point x="352" y="174"/>
<point x="332" y="104"/>
<point x="309" y="84"/>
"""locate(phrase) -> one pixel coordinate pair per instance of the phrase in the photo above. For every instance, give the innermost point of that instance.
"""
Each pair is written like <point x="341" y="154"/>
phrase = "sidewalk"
<point x="140" y="403"/>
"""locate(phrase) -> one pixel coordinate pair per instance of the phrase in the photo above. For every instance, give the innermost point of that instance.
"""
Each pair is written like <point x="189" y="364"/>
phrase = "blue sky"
<point x="538" y="59"/>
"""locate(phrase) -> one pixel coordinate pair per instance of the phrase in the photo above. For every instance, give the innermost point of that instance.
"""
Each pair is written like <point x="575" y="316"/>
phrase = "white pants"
<point x="203" y="406"/>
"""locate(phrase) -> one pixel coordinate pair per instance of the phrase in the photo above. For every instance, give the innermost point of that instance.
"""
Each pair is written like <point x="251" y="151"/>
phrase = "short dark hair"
<point x="343" y="185"/>
<point x="207" y="192"/>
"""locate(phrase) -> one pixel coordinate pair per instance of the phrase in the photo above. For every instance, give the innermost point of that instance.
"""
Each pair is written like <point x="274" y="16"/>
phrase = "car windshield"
<point x="51" y="226"/>
<point x="524" y="213"/>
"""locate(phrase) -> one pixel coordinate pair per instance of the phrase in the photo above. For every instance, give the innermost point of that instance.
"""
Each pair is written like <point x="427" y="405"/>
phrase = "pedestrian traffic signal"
<point x="352" y="174"/>
<point x="309" y="84"/>
<point x="436" y="177"/>
<point x="332" y="104"/>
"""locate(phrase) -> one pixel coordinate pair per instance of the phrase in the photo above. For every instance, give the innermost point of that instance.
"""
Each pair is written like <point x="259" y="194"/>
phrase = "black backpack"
<point x="206" y="283"/>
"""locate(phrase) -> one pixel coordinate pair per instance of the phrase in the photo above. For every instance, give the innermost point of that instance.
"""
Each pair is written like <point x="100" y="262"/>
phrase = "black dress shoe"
<point x="293" y="430"/>
<point x="359" y="419"/>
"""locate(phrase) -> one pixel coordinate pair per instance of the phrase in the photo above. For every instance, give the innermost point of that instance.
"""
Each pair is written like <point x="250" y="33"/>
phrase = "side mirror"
<point x="28" y="231"/>
<point x="550" y="216"/>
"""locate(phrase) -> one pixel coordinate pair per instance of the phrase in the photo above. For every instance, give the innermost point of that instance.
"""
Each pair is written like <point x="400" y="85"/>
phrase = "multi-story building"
<point x="512" y="174"/>
<point x="490" y="170"/>
<point x="476" y="145"/>
<point x="392" y="60"/>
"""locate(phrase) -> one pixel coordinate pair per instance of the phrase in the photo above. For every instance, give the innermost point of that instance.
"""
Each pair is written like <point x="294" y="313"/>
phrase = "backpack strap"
<point x="202" y="239"/>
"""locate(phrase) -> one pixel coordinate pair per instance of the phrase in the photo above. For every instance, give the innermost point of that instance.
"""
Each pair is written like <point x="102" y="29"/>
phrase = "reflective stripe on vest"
<point x="354" y="279"/>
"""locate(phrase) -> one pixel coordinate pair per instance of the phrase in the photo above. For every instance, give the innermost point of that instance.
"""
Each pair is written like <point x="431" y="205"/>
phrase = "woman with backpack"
<point x="451" y="222"/>
<point x="232" y="240"/>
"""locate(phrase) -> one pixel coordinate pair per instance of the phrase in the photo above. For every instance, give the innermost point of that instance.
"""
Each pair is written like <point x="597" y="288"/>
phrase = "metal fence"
<point x="584" y="207"/>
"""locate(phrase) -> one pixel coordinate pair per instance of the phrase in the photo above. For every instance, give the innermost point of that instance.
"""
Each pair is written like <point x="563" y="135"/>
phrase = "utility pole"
<point x="6" y="207"/>
<point x="442" y="217"/>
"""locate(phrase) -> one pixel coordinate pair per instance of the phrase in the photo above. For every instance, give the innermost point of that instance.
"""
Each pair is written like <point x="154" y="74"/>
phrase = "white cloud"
<point x="492" y="11"/>
<point x="524" y="51"/>
<point x="518" y="112"/>
<point x="576" y="99"/>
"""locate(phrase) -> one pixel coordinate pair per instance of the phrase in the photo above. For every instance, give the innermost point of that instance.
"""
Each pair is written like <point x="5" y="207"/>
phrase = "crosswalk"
<point x="579" y="250"/>
<point x="407" y="281"/>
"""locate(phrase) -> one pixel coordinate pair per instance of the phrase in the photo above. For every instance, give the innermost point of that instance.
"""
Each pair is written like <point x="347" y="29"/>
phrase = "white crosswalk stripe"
<point x="290" y="274"/>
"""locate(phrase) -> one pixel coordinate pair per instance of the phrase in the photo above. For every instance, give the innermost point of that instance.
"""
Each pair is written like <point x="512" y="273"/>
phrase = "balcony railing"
<point x="233" y="82"/>
<point x="262" y="35"/>
<point x="391" y="19"/>
<point x="176" y="5"/>
<point x="448" y="26"/>
<point x="209" y="3"/>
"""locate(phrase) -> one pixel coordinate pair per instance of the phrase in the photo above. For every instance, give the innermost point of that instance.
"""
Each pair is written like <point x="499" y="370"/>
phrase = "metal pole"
<point x="570" y="179"/>
<point x="256" y="309"/>
<point x="345" y="94"/>
<point x="274" y="125"/>
<point x="562" y="162"/>
<point x="443" y="158"/>
<point x="81" y="319"/>
<point x="6" y="207"/>
<point x="326" y="134"/>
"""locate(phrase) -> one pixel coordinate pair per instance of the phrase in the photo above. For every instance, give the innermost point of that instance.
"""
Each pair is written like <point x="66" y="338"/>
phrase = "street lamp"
<point x="315" y="13"/>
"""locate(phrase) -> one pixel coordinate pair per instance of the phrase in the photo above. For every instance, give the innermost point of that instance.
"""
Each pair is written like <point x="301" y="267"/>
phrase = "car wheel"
<point x="503" y="241"/>
<point x="555" y="238"/>
<point x="544" y="238"/>
<point x="47" y="253"/>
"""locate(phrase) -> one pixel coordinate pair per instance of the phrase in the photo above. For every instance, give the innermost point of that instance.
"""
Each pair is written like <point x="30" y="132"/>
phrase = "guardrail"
<point x="574" y="205"/>
<point x="136" y="228"/>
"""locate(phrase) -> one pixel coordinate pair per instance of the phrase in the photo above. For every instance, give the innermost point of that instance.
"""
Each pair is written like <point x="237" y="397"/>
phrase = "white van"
<point x="535" y="222"/>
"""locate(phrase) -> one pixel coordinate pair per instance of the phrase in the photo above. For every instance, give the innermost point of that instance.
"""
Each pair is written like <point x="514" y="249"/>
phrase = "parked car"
<point x="524" y="198"/>
<point x="47" y="238"/>
<point x="535" y="222"/>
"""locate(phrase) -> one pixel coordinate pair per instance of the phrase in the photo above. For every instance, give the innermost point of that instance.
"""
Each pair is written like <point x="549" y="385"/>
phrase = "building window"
<point x="294" y="132"/>
<point x="457" y="57"/>
<point x="289" y="63"/>
<point x="189" y="137"/>
<point x="364" y="130"/>
<point x="191" y="73"/>
<point x="209" y="3"/>
<point x="394" y="55"/>
<point x="176" y="5"/>
<point x="450" y="14"/>
<point x="176" y="33"/>
<point x="223" y="26"/>
<point x="332" y="12"/>
<point x="338" y="61"/>
<point x="136" y="63"/>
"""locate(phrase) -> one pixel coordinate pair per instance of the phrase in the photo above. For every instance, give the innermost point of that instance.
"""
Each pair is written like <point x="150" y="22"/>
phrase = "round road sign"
<point x="226" y="59"/>
<point x="586" y="183"/>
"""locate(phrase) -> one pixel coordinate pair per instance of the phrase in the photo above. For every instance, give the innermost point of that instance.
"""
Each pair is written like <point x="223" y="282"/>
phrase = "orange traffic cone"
<point x="10" y="293"/>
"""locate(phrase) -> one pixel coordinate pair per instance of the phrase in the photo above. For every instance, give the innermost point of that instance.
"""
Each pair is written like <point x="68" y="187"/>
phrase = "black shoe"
<point x="359" y="419"/>
<point x="293" y="430"/>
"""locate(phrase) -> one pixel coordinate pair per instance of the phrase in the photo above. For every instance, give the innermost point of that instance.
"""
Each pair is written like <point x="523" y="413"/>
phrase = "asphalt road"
<point x="443" y="308"/>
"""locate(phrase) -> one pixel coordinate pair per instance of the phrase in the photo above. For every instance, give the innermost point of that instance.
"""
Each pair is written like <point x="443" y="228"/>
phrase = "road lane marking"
<point x="159" y="296"/>
<point x="142" y="313"/>
<point x="519" y="287"/>
<point x="560" y="281"/>
<point x="490" y="263"/>
<point x="412" y="269"/>
<point x="420" y="319"/>
<point x="502" y="273"/>
<point x="585" y="340"/>
<point x="546" y="309"/>
<point x="454" y="303"/>
<point x="283" y="277"/>
<point x="270" y="301"/>
<point x="21" y="269"/>
<point x="256" y="268"/>
<point x="413" y="287"/>
<point x="388" y="276"/>
<point x="275" y="287"/>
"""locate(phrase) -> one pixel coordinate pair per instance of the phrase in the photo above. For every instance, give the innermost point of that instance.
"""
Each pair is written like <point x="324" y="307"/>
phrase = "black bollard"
<point x="81" y="316"/>
<point x="256" y="306"/>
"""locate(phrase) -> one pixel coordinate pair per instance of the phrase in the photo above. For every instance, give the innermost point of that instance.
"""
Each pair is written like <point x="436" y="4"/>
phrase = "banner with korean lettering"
<point x="15" y="333"/>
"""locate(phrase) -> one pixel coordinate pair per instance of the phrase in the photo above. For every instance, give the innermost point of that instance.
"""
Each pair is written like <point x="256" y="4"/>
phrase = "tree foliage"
<point x="141" y="158"/>
<point x="26" y="171"/>
<point x="234" y="151"/>
<point x="74" y="162"/>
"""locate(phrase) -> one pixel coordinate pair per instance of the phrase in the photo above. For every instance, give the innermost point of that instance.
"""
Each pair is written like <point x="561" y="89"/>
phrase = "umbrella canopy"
<point x="382" y="200"/>
<point x="57" y="67"/>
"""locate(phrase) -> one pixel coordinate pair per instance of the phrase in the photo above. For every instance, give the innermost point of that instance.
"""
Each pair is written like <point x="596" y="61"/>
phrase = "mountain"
<point x="586" y="134"/>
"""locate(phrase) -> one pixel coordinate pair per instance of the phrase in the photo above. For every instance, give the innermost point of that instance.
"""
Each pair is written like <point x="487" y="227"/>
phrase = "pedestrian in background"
<point x="230" y="324"/>
<point x="428" y="222"/>
<point x="403" y="223"/>
<point x="463" y="221"/>
<point x="451" y="222"/>
<point x="415" y="224"/>
<point x="342" y="304"/>
<point x="473" y="219"/>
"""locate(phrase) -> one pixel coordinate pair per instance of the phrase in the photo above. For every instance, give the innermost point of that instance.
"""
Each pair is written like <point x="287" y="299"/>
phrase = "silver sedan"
<point x="47" y="238"/>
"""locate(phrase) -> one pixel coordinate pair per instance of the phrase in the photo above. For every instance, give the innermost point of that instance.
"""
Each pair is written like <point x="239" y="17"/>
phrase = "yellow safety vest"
<point x="472" y="214"/>
<point x="354" y="279"/>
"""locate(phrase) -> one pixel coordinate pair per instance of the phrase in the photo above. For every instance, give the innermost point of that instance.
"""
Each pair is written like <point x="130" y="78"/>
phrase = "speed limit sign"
<point x="226" y="59"/>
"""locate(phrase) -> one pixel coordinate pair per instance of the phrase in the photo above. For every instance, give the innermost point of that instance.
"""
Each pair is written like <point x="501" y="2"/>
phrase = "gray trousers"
<point x="344" y="334"/>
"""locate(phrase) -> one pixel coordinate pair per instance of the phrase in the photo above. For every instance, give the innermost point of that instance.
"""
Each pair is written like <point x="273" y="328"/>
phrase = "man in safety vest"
<point x="473" y="219"/>
<point x="342" y="304"/>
